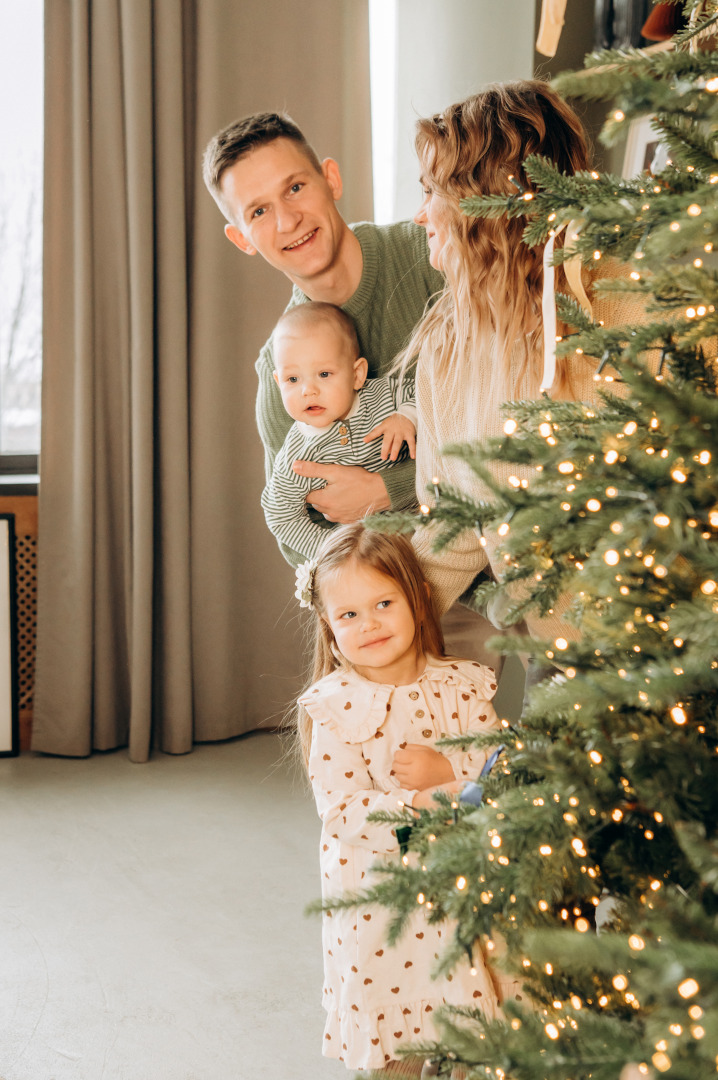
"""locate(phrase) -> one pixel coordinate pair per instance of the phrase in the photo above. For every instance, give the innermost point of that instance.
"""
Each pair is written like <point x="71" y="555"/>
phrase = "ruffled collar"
<point x="356" y="708"/>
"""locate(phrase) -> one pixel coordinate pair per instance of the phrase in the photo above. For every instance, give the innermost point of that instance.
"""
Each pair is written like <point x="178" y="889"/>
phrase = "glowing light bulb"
<point x="593" y="505"/>
<point x="694" y="210"/>
<point x="552" y="1031"/>
<point x="610" y="457"/>
<point x="619" y="115"/>
<point x="662" y="520"/>
<point x="688" y="988"/>
<point x="678" y="715"/>
<point x="510" y="427"/>
<point x="620" y="982"/>
<point x="566" y="467"/>
<point x="460" y="883"/>
<point x="611" y="557"/>
<point x="709" y="587"/>
<point x="679" y="476"/>
<point x="595" y="757"/>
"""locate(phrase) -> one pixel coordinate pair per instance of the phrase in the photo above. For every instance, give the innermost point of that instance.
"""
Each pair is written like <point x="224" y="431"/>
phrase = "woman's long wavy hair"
<point x="493" y="280"/>
<point x="389" y="554"/>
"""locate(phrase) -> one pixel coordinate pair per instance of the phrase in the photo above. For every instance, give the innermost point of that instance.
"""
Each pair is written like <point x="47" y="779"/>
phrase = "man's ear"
<point x="361" y="370"/>
<point x="239" y="239"/>
<point x="333" y="177"/>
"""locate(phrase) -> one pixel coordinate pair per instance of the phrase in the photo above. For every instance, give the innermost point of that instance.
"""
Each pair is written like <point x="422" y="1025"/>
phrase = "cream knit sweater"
<point x="467" y="410"/>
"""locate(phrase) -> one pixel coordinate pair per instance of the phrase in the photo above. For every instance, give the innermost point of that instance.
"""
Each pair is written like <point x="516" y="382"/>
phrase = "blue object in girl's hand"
<point x="472" y="792"/>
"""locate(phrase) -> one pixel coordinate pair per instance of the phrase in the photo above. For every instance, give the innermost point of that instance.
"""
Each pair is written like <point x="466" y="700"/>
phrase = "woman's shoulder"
<point x="468" y="674"/>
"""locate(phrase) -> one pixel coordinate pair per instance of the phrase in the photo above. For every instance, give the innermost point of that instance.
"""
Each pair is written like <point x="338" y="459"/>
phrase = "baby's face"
<point x="316" y="377"/>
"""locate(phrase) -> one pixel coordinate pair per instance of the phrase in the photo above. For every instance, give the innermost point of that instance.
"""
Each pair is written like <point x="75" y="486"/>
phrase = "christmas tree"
<point x="591" y="862"/>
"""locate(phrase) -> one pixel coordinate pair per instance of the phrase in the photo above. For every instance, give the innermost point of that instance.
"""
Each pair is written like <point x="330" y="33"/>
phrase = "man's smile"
<point x="301" y="240"/>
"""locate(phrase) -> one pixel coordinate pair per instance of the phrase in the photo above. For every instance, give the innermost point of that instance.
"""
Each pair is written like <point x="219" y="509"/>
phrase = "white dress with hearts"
<point x="379" y="997"/>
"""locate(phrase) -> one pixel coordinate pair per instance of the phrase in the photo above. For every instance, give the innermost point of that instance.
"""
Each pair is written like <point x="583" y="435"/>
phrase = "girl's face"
<point x="435" y="215"/>
<point x="372" y="624"/>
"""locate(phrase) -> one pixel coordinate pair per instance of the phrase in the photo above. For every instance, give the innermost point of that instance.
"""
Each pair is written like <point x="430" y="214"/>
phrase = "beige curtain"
<point x="165" y="610"/>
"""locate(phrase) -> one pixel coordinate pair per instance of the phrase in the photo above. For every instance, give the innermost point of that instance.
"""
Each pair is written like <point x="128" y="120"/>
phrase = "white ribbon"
<point x="572" y="269"/>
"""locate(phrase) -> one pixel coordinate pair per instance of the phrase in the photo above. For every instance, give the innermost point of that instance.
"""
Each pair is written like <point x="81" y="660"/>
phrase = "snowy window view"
<point x="21" y="136"/>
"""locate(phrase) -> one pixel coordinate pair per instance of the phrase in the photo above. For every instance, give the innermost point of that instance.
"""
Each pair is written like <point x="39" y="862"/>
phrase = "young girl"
<point x="385" y="693"/>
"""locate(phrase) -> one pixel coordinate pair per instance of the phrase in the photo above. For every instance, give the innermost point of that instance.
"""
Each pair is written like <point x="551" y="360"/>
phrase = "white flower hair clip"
<point x="304" y="578"/>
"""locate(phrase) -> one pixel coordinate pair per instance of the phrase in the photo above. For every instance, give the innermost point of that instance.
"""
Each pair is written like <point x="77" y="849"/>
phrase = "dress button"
<point x="419" y="713"/>
<point x="342" y="430"/>
<point x="414" y="695"/>
<point x="344" y="441"/>
<point x="427" y="733"/>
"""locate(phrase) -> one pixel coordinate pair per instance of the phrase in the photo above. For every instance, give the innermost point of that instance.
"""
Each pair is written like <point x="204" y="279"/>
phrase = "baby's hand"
<point x="396" y="430"/>
<point x="420" y="767"/>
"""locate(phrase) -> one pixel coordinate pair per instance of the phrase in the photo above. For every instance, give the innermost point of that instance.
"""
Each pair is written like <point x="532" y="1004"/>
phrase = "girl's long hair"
<point x="391" y="555"/>
<point x="494" y="281"/>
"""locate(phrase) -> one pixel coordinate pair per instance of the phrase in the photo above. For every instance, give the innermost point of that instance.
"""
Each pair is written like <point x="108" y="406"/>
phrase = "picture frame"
<point x="9" y="714"/>
<point x="641" y="148"/>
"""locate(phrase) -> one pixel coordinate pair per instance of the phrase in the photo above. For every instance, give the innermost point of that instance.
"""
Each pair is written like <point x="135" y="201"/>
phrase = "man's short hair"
<point x="241" y="137"/>
<point x="304" y="316"/>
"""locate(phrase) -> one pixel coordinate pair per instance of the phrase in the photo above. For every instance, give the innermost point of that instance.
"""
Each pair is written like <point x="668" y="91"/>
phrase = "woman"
<point x="481" y="343"/>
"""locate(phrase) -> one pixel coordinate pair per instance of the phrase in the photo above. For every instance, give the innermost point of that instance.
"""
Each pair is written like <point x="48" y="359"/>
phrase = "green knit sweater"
<point x="396" y="283"/>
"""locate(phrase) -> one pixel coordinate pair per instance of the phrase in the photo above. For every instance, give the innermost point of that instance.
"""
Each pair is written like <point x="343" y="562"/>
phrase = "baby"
<point x="339" y="416"/>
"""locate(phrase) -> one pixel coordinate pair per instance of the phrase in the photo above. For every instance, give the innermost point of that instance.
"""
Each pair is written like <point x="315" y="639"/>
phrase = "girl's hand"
<point x="424" y="800"/>
<point x="421" y="767"/>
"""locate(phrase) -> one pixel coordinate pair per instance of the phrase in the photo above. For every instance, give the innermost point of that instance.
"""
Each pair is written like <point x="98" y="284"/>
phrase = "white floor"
<point x="151" y="918"/>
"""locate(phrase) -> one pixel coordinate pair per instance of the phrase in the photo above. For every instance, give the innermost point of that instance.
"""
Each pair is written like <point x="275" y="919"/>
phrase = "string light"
<point x="688" y="988"/>
<point x="510" y="427"/>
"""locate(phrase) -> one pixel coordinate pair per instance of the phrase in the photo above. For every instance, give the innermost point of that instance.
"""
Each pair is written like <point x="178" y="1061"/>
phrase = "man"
<point x="280" y="202"/>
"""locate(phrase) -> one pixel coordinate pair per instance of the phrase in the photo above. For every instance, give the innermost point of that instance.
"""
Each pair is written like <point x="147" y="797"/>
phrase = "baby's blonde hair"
<point x="304" y="317"/>
<point x="391" y="555"/>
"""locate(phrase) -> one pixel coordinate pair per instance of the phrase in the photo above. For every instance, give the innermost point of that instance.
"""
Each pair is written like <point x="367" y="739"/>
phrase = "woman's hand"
<point x="421" y="767"/>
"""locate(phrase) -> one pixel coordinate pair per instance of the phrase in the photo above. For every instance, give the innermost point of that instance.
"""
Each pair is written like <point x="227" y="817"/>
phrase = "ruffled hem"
<point x="370" y="1040"/>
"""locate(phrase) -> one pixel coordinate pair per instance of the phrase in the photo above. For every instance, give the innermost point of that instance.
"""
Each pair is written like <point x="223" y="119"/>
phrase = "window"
<point x="21" y="149"/>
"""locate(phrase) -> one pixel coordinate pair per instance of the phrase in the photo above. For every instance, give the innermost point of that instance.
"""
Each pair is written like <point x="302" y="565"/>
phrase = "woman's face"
<point x="435" y="215"/>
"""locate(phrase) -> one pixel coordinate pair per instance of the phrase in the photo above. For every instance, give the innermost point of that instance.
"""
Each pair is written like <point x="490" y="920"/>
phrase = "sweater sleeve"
<point x="273" y="421"/>
<point x="285" y="507"/>
<point x="344" y="793"/>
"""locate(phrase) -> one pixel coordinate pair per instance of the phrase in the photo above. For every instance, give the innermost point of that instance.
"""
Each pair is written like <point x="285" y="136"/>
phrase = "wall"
<point x="446" y="50"/>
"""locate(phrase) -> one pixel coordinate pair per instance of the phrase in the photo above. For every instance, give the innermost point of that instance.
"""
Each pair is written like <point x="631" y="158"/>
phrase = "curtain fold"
<point x="164" y="610"/>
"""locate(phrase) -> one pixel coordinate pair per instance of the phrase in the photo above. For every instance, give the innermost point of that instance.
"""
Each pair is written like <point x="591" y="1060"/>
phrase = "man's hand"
<point x="350" y="493"/>
<point x="396" y="430"/>
<point x="421" y="767"/>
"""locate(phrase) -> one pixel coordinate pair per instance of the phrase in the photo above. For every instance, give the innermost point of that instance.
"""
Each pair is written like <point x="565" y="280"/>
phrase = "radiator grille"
<point x="26" y="579"/>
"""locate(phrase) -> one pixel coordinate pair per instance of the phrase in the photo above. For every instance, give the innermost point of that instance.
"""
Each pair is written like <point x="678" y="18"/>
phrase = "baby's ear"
<point x="361" y="370"/>
<point x="276" y="377"/>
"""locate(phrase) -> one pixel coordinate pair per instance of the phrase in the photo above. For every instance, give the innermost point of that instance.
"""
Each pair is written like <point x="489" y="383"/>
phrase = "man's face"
<point x="316" y="375"/>
<point x="285" y="209"/>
